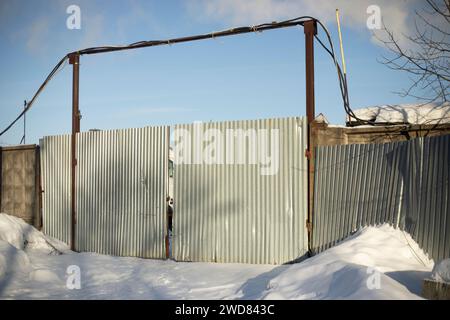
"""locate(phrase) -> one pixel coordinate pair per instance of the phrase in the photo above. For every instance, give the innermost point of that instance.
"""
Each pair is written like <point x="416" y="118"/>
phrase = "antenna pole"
<point x="340" y="42"/>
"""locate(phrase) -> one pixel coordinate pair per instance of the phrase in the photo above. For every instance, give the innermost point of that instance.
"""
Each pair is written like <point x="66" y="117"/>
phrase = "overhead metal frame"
<point x="310" y="30"/>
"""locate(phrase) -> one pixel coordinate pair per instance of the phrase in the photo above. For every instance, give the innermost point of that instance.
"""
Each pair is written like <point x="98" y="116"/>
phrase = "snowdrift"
<point x="375" y="263"/>
<point x="21" y="235"/>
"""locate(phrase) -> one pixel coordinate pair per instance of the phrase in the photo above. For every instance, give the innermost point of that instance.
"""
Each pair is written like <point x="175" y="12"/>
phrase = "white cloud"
<point x="8" y="9"/>
<point x="395" y="14"/>
<point x="44" y="27"/>
<point x="93" y="30"/>
<point x="142" y="15"/>
<point x="37" y="35"/>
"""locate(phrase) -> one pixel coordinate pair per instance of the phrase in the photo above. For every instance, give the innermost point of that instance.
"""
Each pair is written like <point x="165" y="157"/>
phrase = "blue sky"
<point x="241" y="77"/>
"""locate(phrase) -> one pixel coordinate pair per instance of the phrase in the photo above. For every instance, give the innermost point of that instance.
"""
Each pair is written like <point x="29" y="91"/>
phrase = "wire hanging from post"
<point x="299" y="21"/>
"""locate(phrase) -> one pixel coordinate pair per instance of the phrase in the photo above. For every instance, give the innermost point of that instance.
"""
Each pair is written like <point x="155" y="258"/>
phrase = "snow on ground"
<point x="30" y="269"/>
<point x="430" y="113"/>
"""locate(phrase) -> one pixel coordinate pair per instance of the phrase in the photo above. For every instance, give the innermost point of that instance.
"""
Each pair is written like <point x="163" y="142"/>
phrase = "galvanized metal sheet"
<point x="55" y="180"/>
<point x="354" y="187"/>
<point x="401" y="183"/>
<point x="229" y="210"/>
<point x="431" y="227"/>
<point x="122" y="185"/>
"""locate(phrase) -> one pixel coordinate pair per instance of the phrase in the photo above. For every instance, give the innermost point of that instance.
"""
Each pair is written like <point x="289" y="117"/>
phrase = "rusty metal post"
<point x="310" y="29"/>
<point x="74" y="59"/>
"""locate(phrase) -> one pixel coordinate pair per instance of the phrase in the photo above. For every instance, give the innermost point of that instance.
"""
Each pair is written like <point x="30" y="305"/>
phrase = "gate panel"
<point x="233" y="212"/>
<point x="121" y="189"/>
<point x="122" y="185"/>
<point x="55" y="158"/>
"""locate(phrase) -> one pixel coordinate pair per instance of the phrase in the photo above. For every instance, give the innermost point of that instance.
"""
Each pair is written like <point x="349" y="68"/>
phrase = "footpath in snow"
<point x="375" y="263"/>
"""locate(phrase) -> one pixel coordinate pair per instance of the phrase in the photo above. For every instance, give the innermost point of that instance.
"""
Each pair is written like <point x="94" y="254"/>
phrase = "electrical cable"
<point x="342" y="78"/>
<point x="258" y="28"/>
<point x="40" y="89"/>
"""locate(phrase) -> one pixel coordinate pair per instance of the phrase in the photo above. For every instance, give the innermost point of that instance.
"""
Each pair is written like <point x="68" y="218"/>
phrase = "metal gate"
<point x="121" y="190"/>
<point x="227" y="207"/>
<point x="55" y="182"/>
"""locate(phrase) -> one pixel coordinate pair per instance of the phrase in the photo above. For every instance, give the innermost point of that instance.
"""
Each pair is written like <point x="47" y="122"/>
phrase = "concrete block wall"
<point x="19" y="182"/>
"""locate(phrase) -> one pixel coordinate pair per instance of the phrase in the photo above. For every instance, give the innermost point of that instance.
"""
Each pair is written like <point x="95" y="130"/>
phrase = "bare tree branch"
<point x="426" y="58"/>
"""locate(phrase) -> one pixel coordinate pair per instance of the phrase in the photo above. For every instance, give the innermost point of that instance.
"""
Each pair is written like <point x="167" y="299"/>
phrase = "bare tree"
<point x="424" y="55"/>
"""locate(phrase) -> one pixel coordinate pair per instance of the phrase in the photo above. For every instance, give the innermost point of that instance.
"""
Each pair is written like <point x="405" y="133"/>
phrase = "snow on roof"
<point x="430" y="113"/>
<point x="321" y="119"/>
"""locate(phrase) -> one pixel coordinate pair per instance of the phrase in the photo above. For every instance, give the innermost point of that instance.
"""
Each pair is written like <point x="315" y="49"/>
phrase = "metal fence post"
<point x="310" y="29"/>
<point x="74" y="59"/>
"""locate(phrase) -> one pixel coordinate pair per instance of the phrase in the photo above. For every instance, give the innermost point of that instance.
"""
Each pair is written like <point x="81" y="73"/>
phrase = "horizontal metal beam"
<point x="230" y="32"/>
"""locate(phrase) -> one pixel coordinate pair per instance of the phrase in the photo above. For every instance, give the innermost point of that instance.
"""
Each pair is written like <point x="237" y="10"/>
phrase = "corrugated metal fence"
<point x="405" y="184"/>
<point x="246" y="200"/>
<point x="55" y="179"/>
<point x="121" y="190"/>
<point x="230" y="210"/>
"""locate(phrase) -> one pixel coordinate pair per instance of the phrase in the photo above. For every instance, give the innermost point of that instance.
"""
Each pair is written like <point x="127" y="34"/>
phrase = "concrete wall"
<point x="19" y="183"/>
<point x="434" y="290"/>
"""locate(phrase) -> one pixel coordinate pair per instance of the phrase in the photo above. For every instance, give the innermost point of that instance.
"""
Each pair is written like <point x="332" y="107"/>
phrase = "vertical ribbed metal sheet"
<point x="355" y="186"/>
<point x="55" y="179"/>
<point x="233" y="213"/>
<point x="431" y="227"/>
<point x="122" y="184"/>
<point x="401" y="183"/>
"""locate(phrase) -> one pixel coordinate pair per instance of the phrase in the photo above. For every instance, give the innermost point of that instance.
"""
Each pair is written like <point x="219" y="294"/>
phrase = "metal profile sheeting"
<point x="428" y="219"/>
<point x="55" y="180"/>
<point x="405" y="184"/>
<point x="121" y="189"/>
<point x="233" y="212"/>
